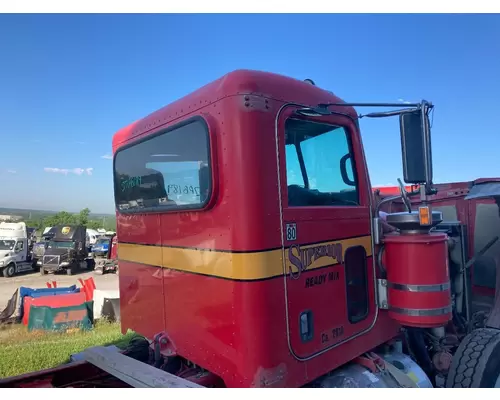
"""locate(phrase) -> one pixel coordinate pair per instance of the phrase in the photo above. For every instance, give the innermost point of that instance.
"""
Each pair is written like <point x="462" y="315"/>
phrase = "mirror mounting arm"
<point x="415" y="137"/>
<point x="424" y="109"/>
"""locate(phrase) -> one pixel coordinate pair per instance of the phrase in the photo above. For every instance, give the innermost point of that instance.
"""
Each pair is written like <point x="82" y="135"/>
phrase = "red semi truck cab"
<point x="245" y="215"/>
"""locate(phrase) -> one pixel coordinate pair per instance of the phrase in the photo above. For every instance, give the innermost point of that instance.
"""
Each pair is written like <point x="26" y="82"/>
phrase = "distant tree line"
<point x="66" y="218"/>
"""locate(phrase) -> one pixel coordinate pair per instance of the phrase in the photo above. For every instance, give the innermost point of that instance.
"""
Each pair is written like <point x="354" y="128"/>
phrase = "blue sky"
<point x="68" y="82"/>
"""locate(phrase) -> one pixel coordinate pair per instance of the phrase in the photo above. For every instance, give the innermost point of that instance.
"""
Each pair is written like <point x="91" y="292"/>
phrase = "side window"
<point x="170" y="170"/>
<point x="319" y="165"/>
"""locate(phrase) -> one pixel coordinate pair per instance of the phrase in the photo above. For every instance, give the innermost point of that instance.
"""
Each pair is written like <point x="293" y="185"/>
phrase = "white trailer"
<point x="14" y="249"/>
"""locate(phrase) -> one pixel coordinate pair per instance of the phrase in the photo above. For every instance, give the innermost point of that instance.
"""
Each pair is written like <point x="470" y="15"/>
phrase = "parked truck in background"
<point x="66" y="251"/>
<point x="92" y="236"/>
<point x="104" y="254"/>
<point x="15" y="254"/>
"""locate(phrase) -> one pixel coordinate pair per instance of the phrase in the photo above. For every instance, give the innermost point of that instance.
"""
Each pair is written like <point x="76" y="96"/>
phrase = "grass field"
<point x="22" y="351"/>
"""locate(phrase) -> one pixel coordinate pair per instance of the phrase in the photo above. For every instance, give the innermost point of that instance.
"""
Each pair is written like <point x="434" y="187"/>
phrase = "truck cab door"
<point x="326" y="232"/>
<point x="20" y="251"/>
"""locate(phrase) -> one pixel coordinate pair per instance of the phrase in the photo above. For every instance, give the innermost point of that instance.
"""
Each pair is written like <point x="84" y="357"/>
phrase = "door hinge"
<point x="382" y="301"/>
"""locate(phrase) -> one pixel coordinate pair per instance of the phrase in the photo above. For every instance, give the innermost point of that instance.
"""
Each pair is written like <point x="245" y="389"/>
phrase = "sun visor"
<point x="484" y="190"/>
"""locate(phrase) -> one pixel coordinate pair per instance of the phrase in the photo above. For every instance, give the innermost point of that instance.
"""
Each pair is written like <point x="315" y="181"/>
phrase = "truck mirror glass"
<point x="415" y="147"/>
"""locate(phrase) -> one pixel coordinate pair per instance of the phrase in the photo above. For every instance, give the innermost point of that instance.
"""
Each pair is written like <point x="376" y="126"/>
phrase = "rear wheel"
<point x="9" y="271"/>
<point x="476" y="364"/>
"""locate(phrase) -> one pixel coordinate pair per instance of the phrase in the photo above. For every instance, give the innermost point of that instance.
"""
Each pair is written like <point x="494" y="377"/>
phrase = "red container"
<point x="63" y="300"/>
<point x="418" y="280"/>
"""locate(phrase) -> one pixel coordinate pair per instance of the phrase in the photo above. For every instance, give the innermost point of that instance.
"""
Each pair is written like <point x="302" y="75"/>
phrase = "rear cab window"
<point x="167" y="171"/>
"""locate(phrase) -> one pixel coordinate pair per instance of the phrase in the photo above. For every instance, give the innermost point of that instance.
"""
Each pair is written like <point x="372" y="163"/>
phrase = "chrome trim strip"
<point x="419" y="288"/>
<point x="414" y="312"/>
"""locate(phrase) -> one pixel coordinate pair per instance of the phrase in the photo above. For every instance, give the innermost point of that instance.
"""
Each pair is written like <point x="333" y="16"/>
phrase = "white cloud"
<point x="57" y="170"/>
<point x="107" y="156"/>
<point x="12" y="171"/>
<point x="404" y="101"/>
<point x="66" y="171"/>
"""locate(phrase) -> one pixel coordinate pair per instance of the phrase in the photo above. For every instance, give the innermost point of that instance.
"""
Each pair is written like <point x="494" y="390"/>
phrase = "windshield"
<point x="102" y="242"/>
<point x="60" y="245"/>
<point x="7" y="244"/>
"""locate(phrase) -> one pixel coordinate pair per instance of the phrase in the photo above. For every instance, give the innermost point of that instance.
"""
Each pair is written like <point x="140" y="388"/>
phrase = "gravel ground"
<point x="8" y="286"/>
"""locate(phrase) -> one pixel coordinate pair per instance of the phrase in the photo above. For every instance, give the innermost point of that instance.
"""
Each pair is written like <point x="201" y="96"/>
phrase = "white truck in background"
<point x="15" y="256"/>
<point x="92" y="236"/>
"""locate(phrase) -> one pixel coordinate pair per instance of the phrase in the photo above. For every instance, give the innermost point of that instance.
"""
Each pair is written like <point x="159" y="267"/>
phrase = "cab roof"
<point x="13" y="229"/>
<point x="266" y="84"/>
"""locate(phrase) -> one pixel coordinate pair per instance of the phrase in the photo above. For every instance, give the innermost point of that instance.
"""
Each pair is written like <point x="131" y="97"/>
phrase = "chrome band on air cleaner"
<point x="419" y="288"/>
<point x="421" y="312"/>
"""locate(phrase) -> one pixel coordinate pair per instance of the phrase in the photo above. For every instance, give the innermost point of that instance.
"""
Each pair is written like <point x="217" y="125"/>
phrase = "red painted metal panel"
<point x="238" y="329"/>
<point x="63" y="300"/>
<point x="141" y="299"/>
